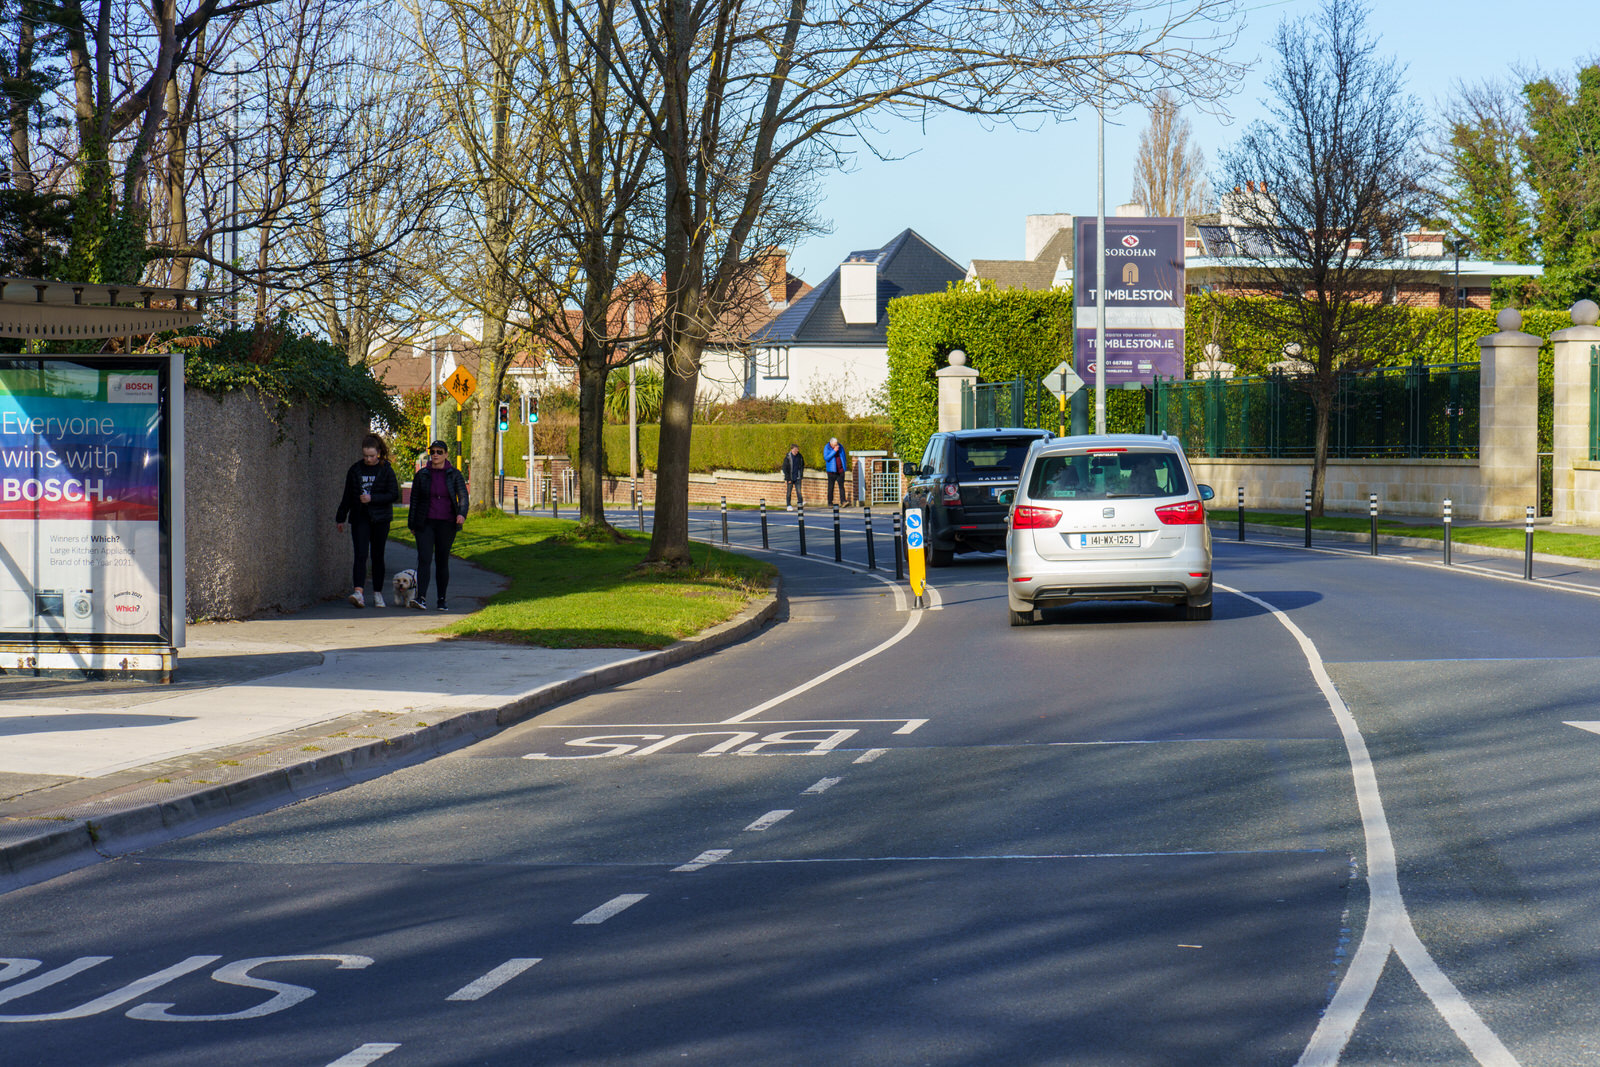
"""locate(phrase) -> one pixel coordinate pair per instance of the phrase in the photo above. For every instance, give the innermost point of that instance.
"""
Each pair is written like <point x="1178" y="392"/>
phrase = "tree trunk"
<point x="177" y="164"/>
<point x="1323" y="407"/>
<point x="592" y="374"/>
<point x="669" y="542"/>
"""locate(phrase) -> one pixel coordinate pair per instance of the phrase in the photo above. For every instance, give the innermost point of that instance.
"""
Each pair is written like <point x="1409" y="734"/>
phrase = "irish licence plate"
<point x="1105" y="540"/>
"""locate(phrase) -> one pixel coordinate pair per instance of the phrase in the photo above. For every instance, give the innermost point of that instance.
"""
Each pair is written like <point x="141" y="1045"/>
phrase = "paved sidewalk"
<point x="268" y="710"/>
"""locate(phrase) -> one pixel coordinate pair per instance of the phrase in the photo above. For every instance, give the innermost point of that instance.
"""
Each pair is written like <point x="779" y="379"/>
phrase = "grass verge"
<point x="1548" y="542"/>
<point x="571" y="592"/>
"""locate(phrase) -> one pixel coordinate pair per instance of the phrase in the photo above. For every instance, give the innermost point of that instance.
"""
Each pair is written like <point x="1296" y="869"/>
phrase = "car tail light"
<point x="952" y="493"/>
<point x="1188" y="513"/>
<point x="1030" y="518"/>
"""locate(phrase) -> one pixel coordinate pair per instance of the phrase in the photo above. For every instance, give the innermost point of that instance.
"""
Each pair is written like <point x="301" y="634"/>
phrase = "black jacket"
<point x="794" y="466"/>
<point x="425" y="483"/>
<point x="385" y="491"/>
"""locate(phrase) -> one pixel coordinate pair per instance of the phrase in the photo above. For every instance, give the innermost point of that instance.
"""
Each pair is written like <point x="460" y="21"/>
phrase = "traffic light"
<point x="505" y="416"/>
<point x="533" y="410"/>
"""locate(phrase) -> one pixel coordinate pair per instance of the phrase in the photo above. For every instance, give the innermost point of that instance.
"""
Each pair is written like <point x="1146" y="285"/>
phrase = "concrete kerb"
<point x="78" y="843"/>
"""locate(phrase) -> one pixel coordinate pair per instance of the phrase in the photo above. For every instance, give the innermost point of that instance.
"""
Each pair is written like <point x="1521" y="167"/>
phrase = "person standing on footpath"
<point x="370" y="490"/>
<point x="437" y="510"/>
<point x="794" y="469"/>
<point x="835" y="462"/>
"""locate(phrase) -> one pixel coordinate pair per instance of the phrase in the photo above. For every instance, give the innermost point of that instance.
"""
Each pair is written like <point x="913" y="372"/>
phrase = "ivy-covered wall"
<point x="1007" y="333"/>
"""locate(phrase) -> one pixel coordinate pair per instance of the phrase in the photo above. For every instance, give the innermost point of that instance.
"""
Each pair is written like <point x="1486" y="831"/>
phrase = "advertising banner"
<point x="1143" y="301"/>
<point x="81" y="513"/>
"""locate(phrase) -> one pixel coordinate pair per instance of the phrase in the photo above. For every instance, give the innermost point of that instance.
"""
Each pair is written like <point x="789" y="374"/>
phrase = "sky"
<point x="968" y="189"/>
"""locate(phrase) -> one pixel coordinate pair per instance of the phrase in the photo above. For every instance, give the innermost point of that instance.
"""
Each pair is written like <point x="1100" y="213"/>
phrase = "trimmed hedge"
<point x="741" y="446"/>
<point x="289" y="366"/>
<point x="1007" y="333"/>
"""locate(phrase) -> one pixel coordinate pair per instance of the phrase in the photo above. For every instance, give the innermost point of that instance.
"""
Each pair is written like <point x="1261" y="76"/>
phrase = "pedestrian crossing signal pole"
<point x="916" y="561"/>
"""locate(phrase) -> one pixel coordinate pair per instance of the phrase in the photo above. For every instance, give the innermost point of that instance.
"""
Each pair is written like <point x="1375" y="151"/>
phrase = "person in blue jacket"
<point x="370" y="492"/>
<point x="835" y="462"/>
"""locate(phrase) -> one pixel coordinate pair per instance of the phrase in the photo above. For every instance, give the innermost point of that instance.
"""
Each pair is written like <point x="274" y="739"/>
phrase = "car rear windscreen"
<point x="995" y="455"/>
<point x="1107" y="475"/>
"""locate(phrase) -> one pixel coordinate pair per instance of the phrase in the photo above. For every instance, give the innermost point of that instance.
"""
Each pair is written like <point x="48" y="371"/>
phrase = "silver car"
<point x="1108" y="517"/>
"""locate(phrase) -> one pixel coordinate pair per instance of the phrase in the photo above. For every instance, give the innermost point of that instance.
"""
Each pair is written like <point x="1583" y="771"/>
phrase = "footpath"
<point x="268" y="710"/>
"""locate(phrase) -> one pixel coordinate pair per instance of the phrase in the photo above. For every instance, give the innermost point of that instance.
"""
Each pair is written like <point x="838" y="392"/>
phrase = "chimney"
<point x="775" y="270"/>
<point x="858" y="291"/>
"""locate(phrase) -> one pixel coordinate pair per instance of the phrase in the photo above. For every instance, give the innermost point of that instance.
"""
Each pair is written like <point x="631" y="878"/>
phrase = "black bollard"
<point x="516" y="508"/>
<point x="764" y="542"/>
<point x="838" y="547"/>
<point x="872" y="549"/>
<point x="1527" y="551"/>
<point x="724" y="520"/>
<point x="802" y="523"/>
<point x="1372" y="512"/>
<point x="899" y="566"/>
<point x="1447" y="531"/>
<point x="1308" y="518"/>
<point x="1241" y="513"/>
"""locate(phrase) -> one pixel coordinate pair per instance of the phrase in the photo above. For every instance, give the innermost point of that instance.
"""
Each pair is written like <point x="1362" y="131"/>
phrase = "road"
<point x="1349" y="820"/>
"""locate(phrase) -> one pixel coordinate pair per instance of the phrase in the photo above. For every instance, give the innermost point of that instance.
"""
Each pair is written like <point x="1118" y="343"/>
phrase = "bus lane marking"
<point x="704" y="860"/>
<point x="820" y="786"/>
<point x="371" y="1052"/>
<point x="614" y="906"/>
<point x="479" y="988"/>
<point x="771" y="818"/>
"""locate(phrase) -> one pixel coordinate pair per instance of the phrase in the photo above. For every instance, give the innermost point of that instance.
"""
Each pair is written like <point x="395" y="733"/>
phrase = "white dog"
<point x="405" y="588"/>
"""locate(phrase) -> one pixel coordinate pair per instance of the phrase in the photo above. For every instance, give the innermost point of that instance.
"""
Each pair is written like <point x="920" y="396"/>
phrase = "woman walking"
<point x="437" y="510"/>
<point x="370" y="490"/>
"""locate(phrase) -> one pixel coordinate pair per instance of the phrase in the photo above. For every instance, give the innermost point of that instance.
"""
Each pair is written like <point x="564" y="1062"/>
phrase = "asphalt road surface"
<point x="1349" y="820"/>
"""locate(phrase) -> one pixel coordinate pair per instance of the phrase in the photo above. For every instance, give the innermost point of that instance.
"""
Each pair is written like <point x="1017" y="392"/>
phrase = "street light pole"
<point x="1458" y="300"/>
<point x="1100" y="266"/>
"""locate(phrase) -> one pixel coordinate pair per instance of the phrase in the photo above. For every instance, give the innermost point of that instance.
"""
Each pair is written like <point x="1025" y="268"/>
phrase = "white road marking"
<point x="1388" y="927"/>
<point x="821" y="786"/>
<point x="705" y="859"/>
<point x="371" y="1052"/>
<point x="869" y="755"/>
<point x="905" y="632"/>
<point x="769" y="819"/>
<point x="481" y="987"/>
<point x="614" y="906"/>
<point x="911" y="726"/>
<point x="1592" y="727"/>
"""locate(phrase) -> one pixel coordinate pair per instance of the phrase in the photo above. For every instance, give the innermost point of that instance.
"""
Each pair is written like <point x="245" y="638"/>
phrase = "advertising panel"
<point x="1143" y="301"/>
<point x="81" y="502"/>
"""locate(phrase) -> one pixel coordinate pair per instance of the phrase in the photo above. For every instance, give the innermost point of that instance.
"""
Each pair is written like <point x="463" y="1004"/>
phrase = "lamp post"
<point x="1100" y="258"/>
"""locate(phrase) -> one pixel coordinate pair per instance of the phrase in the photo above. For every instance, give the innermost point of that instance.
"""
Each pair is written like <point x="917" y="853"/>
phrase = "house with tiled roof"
<point x="835" y="339"/>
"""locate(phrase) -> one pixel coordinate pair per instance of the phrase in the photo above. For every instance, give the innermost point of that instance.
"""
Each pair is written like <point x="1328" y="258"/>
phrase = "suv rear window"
<point x="991" y="455"/>
<point x="1104" y="476"/>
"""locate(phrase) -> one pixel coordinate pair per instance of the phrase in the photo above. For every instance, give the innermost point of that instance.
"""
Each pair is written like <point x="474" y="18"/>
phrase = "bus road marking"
<point x="769" y="819"/>
<point x="821" y="786"/>
<point x="705" y="859"/>
<point x="869" y="755"/>
<point x="614" y="906"/>
<point x="371" y="1052"/>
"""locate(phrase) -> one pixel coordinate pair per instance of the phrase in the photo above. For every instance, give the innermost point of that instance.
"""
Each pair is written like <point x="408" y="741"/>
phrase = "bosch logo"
<point x="1130" y="241"/>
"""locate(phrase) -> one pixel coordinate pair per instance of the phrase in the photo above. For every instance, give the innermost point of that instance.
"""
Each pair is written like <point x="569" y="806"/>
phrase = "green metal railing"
<point x="1594" y="403"/>
<point x="1013" y="403"/>
<point x="1417" y="411"/>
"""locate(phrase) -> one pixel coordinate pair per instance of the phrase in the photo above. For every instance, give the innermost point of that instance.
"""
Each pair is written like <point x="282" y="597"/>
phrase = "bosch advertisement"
<point x="1143" y="301"/>
<point x="81" y="514"/>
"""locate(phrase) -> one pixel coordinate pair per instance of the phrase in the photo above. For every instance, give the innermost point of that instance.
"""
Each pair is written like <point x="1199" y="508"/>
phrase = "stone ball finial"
<point x="1585" y="313"/>
<point x="958" y="358"/>
<point x="1509" y="320"/>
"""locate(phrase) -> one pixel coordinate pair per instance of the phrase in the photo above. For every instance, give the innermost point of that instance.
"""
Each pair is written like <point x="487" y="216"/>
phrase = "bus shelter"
<point x="91" y="480"/>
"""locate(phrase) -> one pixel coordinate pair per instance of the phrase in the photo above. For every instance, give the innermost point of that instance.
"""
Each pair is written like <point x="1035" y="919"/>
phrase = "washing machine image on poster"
<point x="80" y="498"/>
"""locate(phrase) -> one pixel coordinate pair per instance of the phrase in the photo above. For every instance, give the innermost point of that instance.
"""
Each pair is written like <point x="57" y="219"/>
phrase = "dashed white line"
<point x="905" y="632"/>
<point x="821" y="786"/>
<point x="371" y="1052"/>
<point x="769" y="818"/>
<point x="911" y="726"/>
<point x="705" y="859"/>
<point x="476" y="990"/>
<point x="610" y="908"/>
<point x="869" y="755"/>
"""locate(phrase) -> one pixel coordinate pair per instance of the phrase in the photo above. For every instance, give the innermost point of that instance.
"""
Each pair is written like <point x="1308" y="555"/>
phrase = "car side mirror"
<point x="1006" y="496"/>
<point x="1207" y="493"/>
<point x="911" y="470"/>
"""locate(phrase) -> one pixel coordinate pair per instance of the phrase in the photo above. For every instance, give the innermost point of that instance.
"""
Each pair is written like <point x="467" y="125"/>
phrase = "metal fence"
<point x="1417" y="411"/>
<point x="1017" y="403"/>
<point x="1594" y="403"/>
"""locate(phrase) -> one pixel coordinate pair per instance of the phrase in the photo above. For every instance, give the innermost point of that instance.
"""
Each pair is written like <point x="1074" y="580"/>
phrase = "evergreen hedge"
<point x="1010" y="333"/>
<point x="741" y="446"/>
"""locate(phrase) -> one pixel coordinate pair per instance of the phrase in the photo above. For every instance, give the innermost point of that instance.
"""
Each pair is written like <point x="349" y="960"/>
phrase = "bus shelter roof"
<point x="44" y="309"/>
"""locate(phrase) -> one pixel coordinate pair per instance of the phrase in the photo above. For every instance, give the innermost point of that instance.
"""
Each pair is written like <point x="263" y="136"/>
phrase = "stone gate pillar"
<point x="952" y="380"/>
<point x="1576" y="478"/>
<point x="1508" y="419"/>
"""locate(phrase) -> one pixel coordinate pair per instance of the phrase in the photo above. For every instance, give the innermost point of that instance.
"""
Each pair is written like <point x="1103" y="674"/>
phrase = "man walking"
<point x="835" y="463"/>
<point x="794" y="468"/>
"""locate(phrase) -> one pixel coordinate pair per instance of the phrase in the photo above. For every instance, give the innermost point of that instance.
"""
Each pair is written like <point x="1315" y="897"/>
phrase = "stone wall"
<point x="260" y="497"/>
<point x="1404" y="487"/>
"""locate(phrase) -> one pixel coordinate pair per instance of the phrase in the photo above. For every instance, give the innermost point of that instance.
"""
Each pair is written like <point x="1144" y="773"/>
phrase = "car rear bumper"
<point x="1033" y="581"/>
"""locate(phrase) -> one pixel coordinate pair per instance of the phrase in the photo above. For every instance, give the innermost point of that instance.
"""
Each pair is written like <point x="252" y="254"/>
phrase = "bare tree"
<point x="1323" y="195"/>
<point x="753" y="96"/>
<point x="1169" y="174"/>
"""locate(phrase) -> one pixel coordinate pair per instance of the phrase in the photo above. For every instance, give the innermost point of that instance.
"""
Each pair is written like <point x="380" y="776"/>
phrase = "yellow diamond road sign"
<point x="461" y="384"/>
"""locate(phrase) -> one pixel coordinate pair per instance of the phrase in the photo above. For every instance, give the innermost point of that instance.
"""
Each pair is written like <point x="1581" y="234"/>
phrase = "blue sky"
<point x="968" y="189"/>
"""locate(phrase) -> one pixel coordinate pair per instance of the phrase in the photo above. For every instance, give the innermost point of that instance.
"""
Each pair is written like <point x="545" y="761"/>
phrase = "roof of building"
<point x="908" y="265"/>
<point x="1037" y="274"/>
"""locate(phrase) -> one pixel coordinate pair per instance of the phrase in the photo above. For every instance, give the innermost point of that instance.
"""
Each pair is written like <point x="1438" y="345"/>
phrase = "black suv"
<point x="959" y="483"/>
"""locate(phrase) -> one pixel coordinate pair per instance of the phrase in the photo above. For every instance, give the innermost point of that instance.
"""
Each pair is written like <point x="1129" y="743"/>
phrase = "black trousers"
<point x="368" y="538"/>
<point x="836" y="478"/>
<point x="434" y="538"/>
<point x="791" y="491"/>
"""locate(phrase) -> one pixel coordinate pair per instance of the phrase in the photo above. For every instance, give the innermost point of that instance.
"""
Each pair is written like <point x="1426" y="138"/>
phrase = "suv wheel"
<point x="1196" y="613"/>
<point x="940" y="557"/>
<point x="1020" y="618"/>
